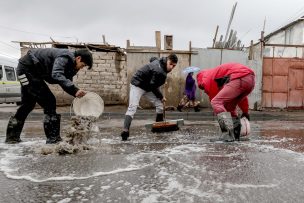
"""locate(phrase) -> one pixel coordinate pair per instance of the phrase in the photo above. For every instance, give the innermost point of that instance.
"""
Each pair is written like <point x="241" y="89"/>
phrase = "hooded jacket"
<point x="55" y="66"/>
<point x="151" y="76"/>
<point x="209" y="79"/>
<point x="190" y="87"/>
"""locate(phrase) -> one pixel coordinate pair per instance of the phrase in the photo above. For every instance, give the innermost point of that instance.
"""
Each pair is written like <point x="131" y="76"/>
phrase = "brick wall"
<point x="107" y="78"/>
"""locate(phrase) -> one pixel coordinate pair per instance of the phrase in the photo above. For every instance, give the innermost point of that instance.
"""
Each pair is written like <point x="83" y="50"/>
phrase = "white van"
<point x="10" y="88"/>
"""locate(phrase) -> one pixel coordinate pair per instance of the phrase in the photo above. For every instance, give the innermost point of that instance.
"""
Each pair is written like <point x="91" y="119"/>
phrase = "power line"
<point x="35" y="33"/>
<point x="9" y="45"/>
<point x="7" y="59"/>
<point x="297" y="14"/>
<point x="12" y="57"/>
<point x="293" y="17"/>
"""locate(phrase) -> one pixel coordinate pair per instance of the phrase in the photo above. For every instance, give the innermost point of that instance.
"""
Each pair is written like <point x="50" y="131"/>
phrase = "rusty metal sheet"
<point x="279" y="100"/>
<point x="296" y="98"/>
<point x="280" y="84"/>
<point x="296" y="78"/>
<point x="296" y="86"/>
<point x="283" y="82"/>
<point x="280" y="66"/>
<point x="267" y="99"/>
<point x="267" y="84"/>
<point x="267" y="66"/>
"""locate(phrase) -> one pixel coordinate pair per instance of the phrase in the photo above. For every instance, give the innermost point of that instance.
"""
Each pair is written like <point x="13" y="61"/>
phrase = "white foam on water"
<point x="175" y="187"/>
<point x="273" y="139"/>
<point x="106" y="187"/>
<point x="89" y="187"/>
<point x="298" y="156"/>
<point x="230" y="185"/>
<point x="13" y="152"/>
<point x="66" y="200"/>
<point x="151" y="198"/>
<point x="68" y="178"/>
<point x="186" y="149"/>
<point x="57" y="195"/>
<point x="171" y="154"/>
<point x="177" y="190"/>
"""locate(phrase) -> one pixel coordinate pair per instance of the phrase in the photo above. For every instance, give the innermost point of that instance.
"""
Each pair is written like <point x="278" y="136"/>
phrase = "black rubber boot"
<point x="51" y="126"/>
<point x="197" y="109"/>
<point x="179" y="108"/>
<point x="124" y="135"/>
<point x="13" y="131"/>
<point x="127" y="123"/>
<point x="159" y="117"/>
<point x="237" y="128"/>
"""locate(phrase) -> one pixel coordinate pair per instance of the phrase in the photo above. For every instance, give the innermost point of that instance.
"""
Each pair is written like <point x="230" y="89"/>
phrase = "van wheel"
<point x="18" y="103"/>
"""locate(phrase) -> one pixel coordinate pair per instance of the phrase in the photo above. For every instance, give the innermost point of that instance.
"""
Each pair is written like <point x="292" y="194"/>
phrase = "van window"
<point x="1" y="72"/>
<point x="10" y="73"/>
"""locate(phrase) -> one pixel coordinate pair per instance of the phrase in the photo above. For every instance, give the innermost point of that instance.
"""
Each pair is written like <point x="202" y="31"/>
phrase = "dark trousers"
<point x="35" y="90"/>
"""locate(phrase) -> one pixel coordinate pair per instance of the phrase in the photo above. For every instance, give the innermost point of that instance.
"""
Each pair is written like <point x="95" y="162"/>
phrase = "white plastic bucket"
<point x="91" y="104"/>
<point x="245" y="127"/>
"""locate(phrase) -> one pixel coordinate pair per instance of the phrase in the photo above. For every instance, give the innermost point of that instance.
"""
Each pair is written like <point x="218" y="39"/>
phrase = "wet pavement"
<point x="181" y="166"/>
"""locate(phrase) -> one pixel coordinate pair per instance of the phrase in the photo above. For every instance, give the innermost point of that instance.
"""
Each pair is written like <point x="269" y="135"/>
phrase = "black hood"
<point x="163" y="63"/>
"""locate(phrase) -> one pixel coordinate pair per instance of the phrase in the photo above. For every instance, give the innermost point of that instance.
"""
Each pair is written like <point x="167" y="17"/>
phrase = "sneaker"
<point x="124" y="135"/>
<point x="179" y="108"/>
<point x="197" y="109"/>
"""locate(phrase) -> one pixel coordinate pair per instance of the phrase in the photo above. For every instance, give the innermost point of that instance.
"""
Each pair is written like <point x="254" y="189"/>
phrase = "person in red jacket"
<point x="228" y="86"/>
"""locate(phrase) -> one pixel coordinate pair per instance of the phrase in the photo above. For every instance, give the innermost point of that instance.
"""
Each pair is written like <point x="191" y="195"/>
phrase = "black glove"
<point x="222" y="81"/>
<point x="245" y="115"/>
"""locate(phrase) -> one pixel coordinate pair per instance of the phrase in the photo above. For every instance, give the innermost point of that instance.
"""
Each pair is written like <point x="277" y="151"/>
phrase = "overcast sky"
<point x="137" y="20"/>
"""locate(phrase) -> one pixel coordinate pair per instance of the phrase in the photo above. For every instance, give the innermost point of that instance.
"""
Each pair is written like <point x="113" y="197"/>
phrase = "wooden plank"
<point x="158" y="39"/>
<point x="215" y="35"/>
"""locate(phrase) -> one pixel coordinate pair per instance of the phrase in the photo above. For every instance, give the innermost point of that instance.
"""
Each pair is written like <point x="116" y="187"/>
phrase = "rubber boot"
<point x="179" y="108"/>
<point x="124" y="135"/>
<point x="51" y="125"/>
<point x="159" y="117"/>
<point x="13" y="131"/>
<point x="197" y="109"/>
<point x="127" y="123"/>
<point x="237" y="128"/>
<point x="226" y="125"/>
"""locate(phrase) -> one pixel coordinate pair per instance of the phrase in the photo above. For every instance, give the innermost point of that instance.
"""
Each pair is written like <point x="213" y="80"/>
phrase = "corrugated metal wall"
<point x="283" y="83"/>
<point x="209" y="58"/>
<point x="175" y="80"/>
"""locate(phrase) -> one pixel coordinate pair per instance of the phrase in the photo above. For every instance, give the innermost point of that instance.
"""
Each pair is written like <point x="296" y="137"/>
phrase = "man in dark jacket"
<point x="54" y="66"/>
<point x="146" y="82"/>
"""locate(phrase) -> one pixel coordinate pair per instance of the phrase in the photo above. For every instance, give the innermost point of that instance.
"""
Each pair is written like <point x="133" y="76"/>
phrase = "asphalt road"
<point x="182" y="166"/>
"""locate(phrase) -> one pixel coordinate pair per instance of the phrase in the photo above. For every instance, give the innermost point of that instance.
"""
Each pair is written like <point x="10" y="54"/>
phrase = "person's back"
<point x="44" y="59"/>
<point x="228" y="86"/>
<point x="150" y="76"/>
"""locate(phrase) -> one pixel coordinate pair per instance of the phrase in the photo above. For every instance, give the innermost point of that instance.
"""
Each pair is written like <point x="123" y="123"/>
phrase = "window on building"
<point x="1" y="72"/>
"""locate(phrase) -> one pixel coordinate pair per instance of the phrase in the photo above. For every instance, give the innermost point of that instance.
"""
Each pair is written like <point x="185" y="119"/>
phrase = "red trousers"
<point x="232" y="94"/>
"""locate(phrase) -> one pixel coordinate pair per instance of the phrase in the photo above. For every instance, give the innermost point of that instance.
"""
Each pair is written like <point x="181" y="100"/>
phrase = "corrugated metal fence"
<point x="283" y="82"/>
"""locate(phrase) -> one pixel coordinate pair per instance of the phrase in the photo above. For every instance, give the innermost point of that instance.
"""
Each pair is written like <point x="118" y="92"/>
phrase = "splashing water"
<point x="77" y="134"/>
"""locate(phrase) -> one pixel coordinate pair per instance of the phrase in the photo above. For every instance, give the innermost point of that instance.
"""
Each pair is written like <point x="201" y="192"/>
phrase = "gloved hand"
<point x="245" y="115"/>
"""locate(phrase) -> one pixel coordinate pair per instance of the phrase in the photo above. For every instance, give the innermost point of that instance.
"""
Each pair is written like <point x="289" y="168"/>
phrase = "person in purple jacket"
<point x="189" y="98"/>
